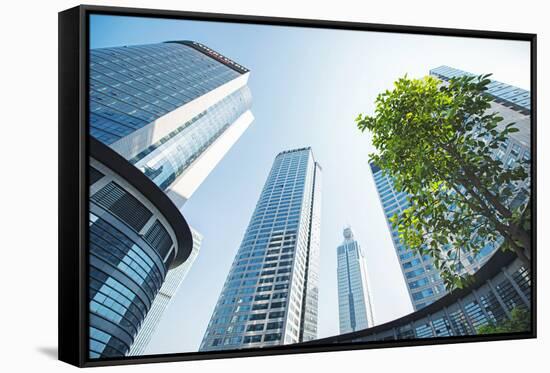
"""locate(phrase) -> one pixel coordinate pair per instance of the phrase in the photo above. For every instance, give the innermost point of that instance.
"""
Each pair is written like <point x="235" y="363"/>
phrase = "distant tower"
<point x="354" y="303"/>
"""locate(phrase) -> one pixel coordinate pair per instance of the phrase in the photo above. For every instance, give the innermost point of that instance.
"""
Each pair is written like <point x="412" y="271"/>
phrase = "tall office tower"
<point x="161" y="117"/>
<point x="354" y="299"/>
<point x="172" y="110"/>
<point x="169" y="288"/>
<point x="513" y="105"/>
<point x="422" y="279"/>
<point x="270" y="296"/>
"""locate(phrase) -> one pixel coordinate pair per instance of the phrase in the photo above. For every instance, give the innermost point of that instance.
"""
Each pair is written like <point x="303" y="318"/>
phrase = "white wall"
<point x="29" y="184"/>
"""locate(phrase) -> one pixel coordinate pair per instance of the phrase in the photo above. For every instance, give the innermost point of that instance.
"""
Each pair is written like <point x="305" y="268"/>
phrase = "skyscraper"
<point x="514" y="105"/>
<point x="422" y="279"/>
<point x="270" y="296"/>
<point x="354" y="299"/>
<point x="171" y="109"/>
<point x="169" y="288"/>
<point x="161" y="117"/>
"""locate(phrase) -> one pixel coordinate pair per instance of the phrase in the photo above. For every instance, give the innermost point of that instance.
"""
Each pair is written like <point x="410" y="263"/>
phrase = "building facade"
<point x="270" y="296"/>
<point x="354" y="298"/>
<point x="502" y="285"/>
<point x="514" y="105"/>
<point x="161" y="117"/>
<point x="422" y="279"/>
<point x="169" y="288"/>
<point x="171" y="109"/>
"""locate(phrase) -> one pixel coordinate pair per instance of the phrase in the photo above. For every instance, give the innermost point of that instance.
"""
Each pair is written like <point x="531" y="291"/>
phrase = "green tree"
<point x="438" y="141"/>
<point x="520" y="321"/>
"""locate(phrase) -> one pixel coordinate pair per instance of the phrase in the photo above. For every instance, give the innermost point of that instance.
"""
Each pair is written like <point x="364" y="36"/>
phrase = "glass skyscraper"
<point x="270" y="296"/>
<point x="161" y="117"/>
<point x="422" y="279"/>
<point x="169" y="288"/>
<point x="354" y="299"/>
<point x="514" y="105"/>
<point x="171" y="109"/>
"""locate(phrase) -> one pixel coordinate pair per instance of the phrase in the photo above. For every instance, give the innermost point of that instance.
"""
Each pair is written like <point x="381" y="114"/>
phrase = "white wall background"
<point x="28" y="191"/>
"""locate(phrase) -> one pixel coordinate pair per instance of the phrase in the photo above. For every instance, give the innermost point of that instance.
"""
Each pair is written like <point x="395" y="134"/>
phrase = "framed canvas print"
<point x="235" y="186"/>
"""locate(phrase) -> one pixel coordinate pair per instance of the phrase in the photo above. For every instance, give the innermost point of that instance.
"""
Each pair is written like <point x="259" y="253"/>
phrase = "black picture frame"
<point x="74" y="147"/>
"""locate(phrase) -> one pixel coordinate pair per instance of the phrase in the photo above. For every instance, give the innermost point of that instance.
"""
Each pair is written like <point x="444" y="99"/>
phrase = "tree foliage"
<point x="520" y="321"/>
<point x="438" y="143"/>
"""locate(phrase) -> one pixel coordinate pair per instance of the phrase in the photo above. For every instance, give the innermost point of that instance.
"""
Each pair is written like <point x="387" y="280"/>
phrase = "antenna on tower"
<point x="348" y="233"/>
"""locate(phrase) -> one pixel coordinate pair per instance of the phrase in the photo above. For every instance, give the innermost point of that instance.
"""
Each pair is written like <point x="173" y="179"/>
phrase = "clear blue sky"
<point x="308" y="85"/>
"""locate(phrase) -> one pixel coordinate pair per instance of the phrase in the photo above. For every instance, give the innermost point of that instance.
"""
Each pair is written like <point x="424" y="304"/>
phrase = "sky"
<point x="308" y="85"/>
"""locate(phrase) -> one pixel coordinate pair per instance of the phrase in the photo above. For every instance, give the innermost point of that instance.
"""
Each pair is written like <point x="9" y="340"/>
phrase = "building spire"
<point x="348" y="233"/>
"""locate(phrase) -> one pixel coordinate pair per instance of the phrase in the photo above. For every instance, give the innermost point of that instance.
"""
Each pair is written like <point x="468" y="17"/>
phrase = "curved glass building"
<point x="500" y="286"/>
<point x="161" y="117"/>
<point x="172" y="282"/>
<point x="133" y="243"/>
